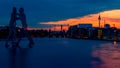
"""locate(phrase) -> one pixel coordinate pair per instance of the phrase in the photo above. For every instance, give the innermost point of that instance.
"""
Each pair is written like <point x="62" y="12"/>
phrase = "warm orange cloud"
<point x="111" y="17"/>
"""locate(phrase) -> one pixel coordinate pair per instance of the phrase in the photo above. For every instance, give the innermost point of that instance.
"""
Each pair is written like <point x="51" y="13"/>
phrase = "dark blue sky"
<point x="54" y="10"/>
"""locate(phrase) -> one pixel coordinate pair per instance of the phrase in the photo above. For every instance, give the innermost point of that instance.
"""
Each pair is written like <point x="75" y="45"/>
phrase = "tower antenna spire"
<point x="99" y="19"/>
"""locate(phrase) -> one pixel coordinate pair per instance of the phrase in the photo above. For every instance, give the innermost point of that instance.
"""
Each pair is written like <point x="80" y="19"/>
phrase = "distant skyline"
<point x="111" y="17"/>
<point x="54" y="10"/>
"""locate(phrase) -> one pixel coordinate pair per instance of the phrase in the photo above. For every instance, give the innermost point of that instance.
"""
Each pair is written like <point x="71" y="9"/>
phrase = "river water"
<point x="61" y="53"/>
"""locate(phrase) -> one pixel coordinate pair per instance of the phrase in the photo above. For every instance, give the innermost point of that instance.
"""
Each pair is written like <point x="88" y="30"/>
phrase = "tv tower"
<point x="99" y="19"/>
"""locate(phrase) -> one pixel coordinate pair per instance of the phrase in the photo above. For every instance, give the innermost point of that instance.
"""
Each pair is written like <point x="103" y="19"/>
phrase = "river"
<point x="61" y="53"/>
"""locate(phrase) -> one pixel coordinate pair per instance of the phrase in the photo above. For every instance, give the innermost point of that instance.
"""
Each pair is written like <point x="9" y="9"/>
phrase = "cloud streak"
<point x="108" y="17"/>
<point x="55" y="10"/>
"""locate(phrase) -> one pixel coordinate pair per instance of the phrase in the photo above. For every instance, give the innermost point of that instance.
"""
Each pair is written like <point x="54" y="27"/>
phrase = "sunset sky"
<point x="111" y="17"/>
<point x="41" y="12"/>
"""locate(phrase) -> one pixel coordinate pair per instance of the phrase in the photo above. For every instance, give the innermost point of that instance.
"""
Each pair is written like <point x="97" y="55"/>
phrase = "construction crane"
<point x="60" y="25"/>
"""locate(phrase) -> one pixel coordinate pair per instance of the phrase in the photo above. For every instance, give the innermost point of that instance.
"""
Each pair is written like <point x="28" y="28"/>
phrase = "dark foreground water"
<point x="61" y="53"/>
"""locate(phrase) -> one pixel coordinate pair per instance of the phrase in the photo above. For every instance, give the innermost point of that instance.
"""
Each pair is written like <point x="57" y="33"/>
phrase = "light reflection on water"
<point x="106" y="56"/>
<point x="62" y="53"/>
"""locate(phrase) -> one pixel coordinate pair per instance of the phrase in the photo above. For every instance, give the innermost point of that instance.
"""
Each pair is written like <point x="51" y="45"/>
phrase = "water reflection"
<point x="18" y="57"/>
<point x="94" y="54"/>
<point x="106" y="56"/>
<point x="12" y="58"/>
<point x="115" y="43"/>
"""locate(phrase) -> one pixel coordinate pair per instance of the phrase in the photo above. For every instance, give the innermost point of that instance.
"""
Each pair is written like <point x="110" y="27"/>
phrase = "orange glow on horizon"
<point x="111" y="17"/>
<point x="30" y="28"/>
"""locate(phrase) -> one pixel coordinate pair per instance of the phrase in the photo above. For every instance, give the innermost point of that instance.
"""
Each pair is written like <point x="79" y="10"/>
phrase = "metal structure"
<point x="60" y="25"/>
<point x="12" y="28"/>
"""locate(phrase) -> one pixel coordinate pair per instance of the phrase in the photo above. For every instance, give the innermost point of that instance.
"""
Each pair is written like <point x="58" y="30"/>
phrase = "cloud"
<point x="108" y="17"/>
<point x="55" y="10"/>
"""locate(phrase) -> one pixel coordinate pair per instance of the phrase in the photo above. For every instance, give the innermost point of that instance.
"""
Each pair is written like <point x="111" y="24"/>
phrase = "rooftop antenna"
<point x="104" y="22"/>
